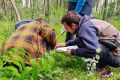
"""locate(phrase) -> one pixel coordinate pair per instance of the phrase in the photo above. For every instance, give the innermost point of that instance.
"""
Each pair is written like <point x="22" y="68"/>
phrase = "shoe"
<point x="107" y="75"/>
<point x="104" y="72"/>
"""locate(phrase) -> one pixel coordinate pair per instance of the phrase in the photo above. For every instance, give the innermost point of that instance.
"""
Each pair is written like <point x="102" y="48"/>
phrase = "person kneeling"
<point x="90" y="33"/>
<point x="35" y="37"/>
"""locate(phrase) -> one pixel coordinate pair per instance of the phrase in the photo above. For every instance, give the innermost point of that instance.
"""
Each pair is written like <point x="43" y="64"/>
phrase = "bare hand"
<point x="69" y="51"/>
<point x="60" y="45"/>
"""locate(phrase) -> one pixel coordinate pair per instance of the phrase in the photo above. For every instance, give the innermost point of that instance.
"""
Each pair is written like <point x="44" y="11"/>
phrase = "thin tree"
<point x="47" y="8"/>
<point x="29" y="3"/>
<point x="16" y="10"/>
<point x="105" y="9"/>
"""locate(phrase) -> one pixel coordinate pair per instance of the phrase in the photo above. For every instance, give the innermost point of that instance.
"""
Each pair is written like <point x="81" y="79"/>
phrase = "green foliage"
<point x="48" y="68"/>
<point x="1" y="62"/>
<point x="41" y="68"/>
<point x="34" y="69"/>
<point x="26" y="73"/>
<point x="116" y="23"/>
<point x="3" y="16"/>
<point x="65" y="61"/>
<point x="5" y="78"/>
<point x="111" y="9"/>
<point x="51" y="66"/>
<point x="14" y="66"/>
<point x="55" y="21"/>
<point x="13" y="69"/>
<point x="6" y="29"/>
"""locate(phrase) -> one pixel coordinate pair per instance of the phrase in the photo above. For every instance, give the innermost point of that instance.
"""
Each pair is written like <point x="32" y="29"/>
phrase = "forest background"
<point x="53" y="66"/>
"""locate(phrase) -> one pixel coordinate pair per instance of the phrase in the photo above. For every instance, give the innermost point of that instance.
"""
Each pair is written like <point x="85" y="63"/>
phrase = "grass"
<point x="116" y="23"/>
<point x="6" y="29"/>
<point x="75" y="72"/>
<point x="69" y="67"/>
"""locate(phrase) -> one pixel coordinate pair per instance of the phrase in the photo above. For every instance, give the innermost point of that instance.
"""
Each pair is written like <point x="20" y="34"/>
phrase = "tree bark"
<point x="105" y="9"/>
<point x="16" y="10"/>
<point x="47" y="8"/>
<point x="29" y="3"/>
<point x="96" y="5"/>
<point x="23" y="3"/>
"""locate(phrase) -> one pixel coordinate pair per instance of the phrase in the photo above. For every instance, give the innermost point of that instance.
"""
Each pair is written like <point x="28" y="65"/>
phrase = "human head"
<point x="71" y="21"/>
<point x="48" y="34"/>
<point x="49" y="37"/>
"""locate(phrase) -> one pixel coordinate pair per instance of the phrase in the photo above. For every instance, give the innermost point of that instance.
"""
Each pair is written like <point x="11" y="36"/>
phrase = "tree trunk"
<point x="23" y="3"/>
<point x="29" y="3"/>
<point x="96" y="5"/>
<point x="105" y="9"/>
<point x="60" y="3"/>
<point x="4" y="7"/>
<point x="65" y="4"/>
<point x="57" y="2"/>
<point x="47" y="8"/>
<point x="33" y="8"/>
<point x="44" y="6"/>
<point x="16" y="10"/>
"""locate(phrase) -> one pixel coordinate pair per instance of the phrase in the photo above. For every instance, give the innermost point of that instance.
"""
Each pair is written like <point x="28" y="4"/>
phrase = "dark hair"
<point x="71" y="17"/>
<point x="40" y="19"/>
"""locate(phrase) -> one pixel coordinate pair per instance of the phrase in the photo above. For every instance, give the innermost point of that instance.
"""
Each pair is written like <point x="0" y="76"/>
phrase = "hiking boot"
<point x="104" y="72"/>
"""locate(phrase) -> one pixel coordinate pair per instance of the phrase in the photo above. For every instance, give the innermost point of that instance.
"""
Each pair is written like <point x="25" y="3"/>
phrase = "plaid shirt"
<point x="33" y="38"/>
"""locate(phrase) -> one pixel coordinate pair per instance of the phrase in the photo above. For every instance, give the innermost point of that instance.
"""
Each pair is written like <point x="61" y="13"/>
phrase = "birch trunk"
<point x="16" y="10"/>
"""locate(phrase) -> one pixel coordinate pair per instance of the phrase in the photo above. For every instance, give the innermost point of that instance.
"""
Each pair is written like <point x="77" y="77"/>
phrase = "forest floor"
<point x="70" y="68"/>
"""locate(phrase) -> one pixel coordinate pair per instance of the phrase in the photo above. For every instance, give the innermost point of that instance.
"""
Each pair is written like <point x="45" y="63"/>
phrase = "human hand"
<point x="60" y="45"/>
<point x="69" y="51"/>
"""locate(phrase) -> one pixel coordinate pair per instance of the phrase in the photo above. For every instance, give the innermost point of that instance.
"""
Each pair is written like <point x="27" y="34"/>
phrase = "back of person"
<point x="35" y="38"/>
<point x="21" y="22"/>
<point x="108" y="32"/>
<point x="104" y="31"/>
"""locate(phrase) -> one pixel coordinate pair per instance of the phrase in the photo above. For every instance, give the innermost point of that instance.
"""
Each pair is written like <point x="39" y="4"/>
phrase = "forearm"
<point x="83" y="52"/>
<point x="71" y="42"/>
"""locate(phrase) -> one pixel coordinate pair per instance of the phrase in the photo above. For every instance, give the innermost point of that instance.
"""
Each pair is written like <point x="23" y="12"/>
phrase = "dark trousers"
<point x="107" y="58"/>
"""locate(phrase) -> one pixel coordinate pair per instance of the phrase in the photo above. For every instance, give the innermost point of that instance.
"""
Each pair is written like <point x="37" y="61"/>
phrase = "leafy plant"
<point x="111" y="9"/>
